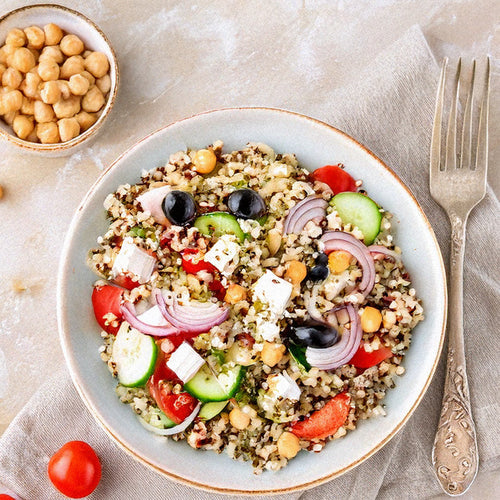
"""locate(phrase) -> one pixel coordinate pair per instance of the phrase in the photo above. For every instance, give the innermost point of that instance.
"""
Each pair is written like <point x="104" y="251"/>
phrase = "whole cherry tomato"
<point x="336" y="177"/>
<point x="4" y="496"/>
<point x="106" y="299"/>
<point x="75" y="469"/>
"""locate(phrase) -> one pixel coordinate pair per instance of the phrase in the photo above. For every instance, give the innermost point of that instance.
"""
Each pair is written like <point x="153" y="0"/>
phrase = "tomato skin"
<point x="106" y="299"/>
<point x="326" y="421"/>
<point x="126" y="281"/>
<point x="336" y="177"/>
<point x="191" y="267"/>
<point x="363" y="359"/>
<point x="218" y="288"/>
<point x="177" y="407"/>
<point x="4" y="496"/>
<point x="75" y="469"/>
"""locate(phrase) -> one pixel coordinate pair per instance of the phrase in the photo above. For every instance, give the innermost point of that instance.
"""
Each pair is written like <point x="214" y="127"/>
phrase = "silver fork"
<point x="458" y="185"/>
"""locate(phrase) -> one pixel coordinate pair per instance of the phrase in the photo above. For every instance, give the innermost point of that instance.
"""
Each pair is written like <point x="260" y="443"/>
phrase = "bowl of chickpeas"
<point x="59" y="78"/>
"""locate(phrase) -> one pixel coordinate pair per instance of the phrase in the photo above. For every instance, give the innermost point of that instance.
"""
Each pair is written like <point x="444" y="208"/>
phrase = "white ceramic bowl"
<point x="315" y="144"/>
<point x="93" y="38"/>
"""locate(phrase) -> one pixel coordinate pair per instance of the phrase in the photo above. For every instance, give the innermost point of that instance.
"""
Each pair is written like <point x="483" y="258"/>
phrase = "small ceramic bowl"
<point x="93" y="38"/>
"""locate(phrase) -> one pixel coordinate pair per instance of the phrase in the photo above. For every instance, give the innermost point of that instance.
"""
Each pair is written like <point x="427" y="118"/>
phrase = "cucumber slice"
<point x="299" y="355"/>
<point x="219" y="223"/>
<point x="207" y="387"/>
<point x="166" y="422"/>
<point x="211" y="410"/>
<point x="361" y="211"/>
<point x="135" y="356"/>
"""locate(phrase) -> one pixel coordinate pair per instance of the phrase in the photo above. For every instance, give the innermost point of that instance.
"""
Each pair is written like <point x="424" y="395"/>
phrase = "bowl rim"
<point x="79" y="385"/>
<point x="63" y="146"/>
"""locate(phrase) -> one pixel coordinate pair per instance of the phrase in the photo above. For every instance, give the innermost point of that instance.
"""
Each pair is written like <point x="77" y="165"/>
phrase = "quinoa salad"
<point x="249" y="306"/>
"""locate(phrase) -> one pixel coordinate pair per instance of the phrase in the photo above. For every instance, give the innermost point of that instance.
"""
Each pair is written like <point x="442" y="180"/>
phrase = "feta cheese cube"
<point x="222" y="253"/>
<point x="153" y="316"/>
<point x="132" y="259"/>
<point x="282" y="385"/>
<point x="185" y="362"/>
<point x="273" y="291"/>
<point x="267" y="330"/>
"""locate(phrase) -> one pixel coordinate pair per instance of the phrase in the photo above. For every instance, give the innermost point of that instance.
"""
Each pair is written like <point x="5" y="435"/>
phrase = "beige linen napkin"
<point x="388" y="108"/>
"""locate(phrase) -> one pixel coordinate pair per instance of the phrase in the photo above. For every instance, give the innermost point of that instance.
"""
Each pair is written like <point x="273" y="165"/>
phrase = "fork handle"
<point x="455" y="456"/>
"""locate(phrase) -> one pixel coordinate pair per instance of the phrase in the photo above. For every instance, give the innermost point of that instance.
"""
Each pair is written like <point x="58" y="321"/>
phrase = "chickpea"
<point x="1" y="192"/>
<point x="10" y="117"/>
<point x="339" y="261"/>
<point x="235" y="293"/>
<point x="86" y="53"/>
<point x="33" y="137"/>
<point x="28" y="107"/>
<point x="68" y="107"/>
<point x="104" y="84"/>
<point x="85" y="120"/>
<point x="71" y="45"/>
<point x="78" y="85"/>
<point x="52" y="52"/>
<point x="12" y="78"/>
<point x="288" y="445"/>
<point x="53" y="34"/>
<point x="65" y="90"/>
<point x="97" y="63"/>
<point x="6" y="53"/>
<point x="36" y="54"/>
<point x="2" y="70"/>
<point x="89" y="77"/>
<point x="371" y="319"/>
<point x="51" y="92"/>
<point x="48" y="133"/>
<point x="272" y="353"/>
<point x="23" y="126"/>
<point x="296" y="272"/>
<point x="69" y="128"/>
<point x="204" y="161"/>
<point x="30" y="85"/>
<point x="72" y="66"/>
<point x="48" y="69"/>
<point x="16" y="37"/>
<point x="35" y="36"/>
<point x="23" y="60"/>
<point x="239" y="419"/>
<point x="43" y="112"/>
<point x="93" y="100"/>
<point x="12" y="101"/>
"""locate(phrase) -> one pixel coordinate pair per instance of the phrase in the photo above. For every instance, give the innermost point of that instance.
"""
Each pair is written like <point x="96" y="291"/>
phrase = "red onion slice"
<point x="130" y="316"/>
<point x="379" y="252"/>
<point x="191" y="318"/>
<point x="172" y="430"/>
<point x="151" y="202"/>
<point x="338" y="240"/>
<point x="312" y="207"/>
<point x="340" y="353"/>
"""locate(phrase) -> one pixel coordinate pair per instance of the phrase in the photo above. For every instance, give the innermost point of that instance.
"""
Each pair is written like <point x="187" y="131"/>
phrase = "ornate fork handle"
<point x="455" y="455"/>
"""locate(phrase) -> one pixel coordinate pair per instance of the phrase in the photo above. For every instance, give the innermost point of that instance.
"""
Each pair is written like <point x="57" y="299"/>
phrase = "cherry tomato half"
<point x="106" y="299"/>
<point x="192" y="262"/>
<point x="75" y="469"/>
<point x="336" y="177"/>
<point x="126" y="281"/>
<point x="363" y="359"/>
<point x="177" y="407"/>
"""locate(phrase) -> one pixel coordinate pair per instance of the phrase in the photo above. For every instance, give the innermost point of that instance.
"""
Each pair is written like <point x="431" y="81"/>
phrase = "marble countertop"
<point x="177" y="59"/>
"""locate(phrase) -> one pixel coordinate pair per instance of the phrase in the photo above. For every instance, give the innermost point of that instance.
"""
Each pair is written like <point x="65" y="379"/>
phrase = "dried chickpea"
<point x="12" y="78"/>
<point x="48" y="133"/>
<point x="86" y="53"/>
<point x="28" y="107"/>
<point x="1" y="192"/>
<point x="33" y="137"/>
<point x="78" y="85"/>
<point x="66" y="108"/>
<point x="50" y="92"/>
<point x="288" y="445"/>
<point x="16" y="37"/>
<point x="239" y="419"/>
<point x="72" y="66"/>
<point x="36" y="54"/>
<point x="23" y="60"/>
<point x="97" y="64"/>
<point x="68" y="128"/>
<point x="85" y="120"/>
<point x="104" y="84"/>
<point x="2" y="70"/>
<point x="272" y="353"/>
<point x="48" y="70"/>
<point x="371" y="319"/>
<point x="35" y="36"/>
<point x="89" y="77"/>
<point x="23" y="126"/>
<point x="10" y="117"/>
<point x="53" y="34"/>
<point x="296" y="271"/>
<point x="64" y="87"/>
<point x="52" y="52"/>
<point x="12" y="101"/>
<point x="204" y="161"/>
<point x="30" y="85"/>
<point x="93" y="100"/>
<point x="43" y="112"/>
<point x="6" y="53"/>
<point x="71" y="45"/>
<point x="338" y="261"/>
<point x="235" y="293"/>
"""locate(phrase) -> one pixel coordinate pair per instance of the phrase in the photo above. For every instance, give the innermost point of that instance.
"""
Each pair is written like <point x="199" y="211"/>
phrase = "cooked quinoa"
<point x="251" y="324"/>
